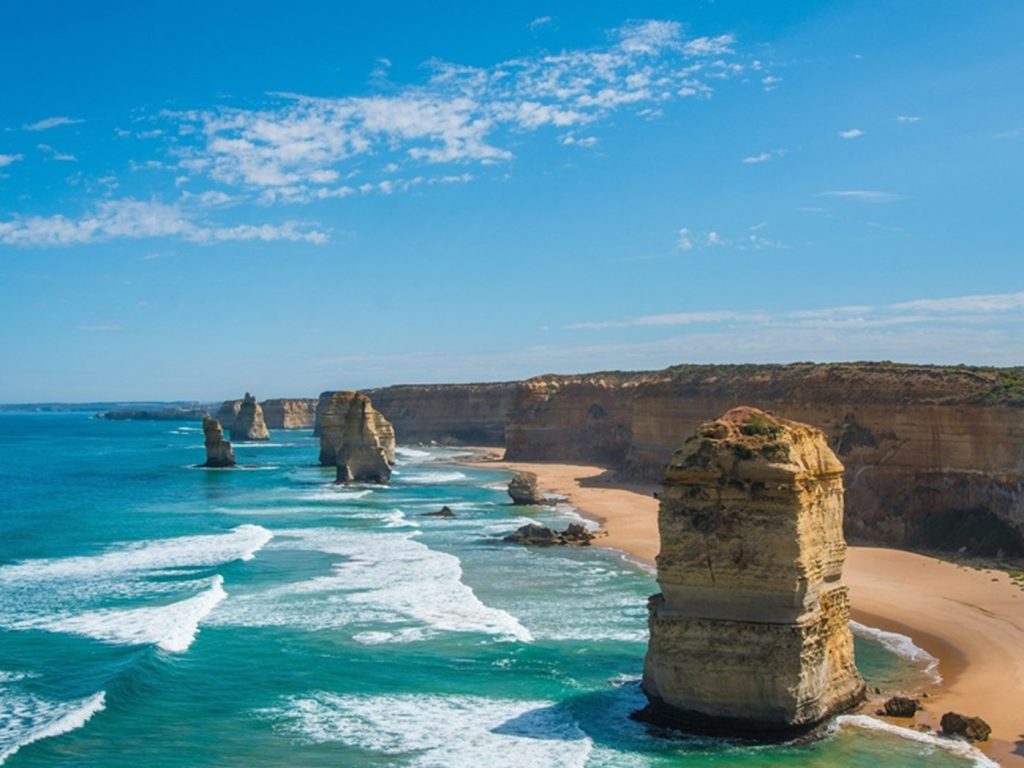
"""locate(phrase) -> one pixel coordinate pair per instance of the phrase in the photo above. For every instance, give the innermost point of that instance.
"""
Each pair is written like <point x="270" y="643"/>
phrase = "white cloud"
<point x="908" y="118"/>
<point x="770" y="82"/>
<point x="864" y="195"/>
<point x="715" y="239"/>
<point x="52" y="122"/>
<point x="460" y="115"/>
<point x="540" y="21"/>
<point x="962" y="309"/>
<point x="134" y="219"/>
<point x="763" y="157"/>
<point x="53" y="153"/>
<point x="6" y="160"/>
<point x="684" y="241"/>
<point x="852" y="133"/>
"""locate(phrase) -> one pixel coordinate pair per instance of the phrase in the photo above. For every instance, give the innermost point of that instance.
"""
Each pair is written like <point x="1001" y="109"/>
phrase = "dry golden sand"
<point x="971" y="620"/>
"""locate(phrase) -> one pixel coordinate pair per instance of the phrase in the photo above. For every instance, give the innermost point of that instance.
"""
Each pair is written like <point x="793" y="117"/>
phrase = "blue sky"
<point x="199" y="200"/>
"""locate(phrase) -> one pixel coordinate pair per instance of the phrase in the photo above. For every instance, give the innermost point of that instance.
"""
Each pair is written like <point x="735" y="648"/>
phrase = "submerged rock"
<point x="900" y="706"/>
<point x="218" y="450"/>
<point x="249" y="424"/>
<point x="524" y="490"/>
<point x="444" y="511"/>
<point x="356" y="439"/>
<point x="533" y="535"/>
<point x="970" y="728"/>
<point x="750" y="634"/>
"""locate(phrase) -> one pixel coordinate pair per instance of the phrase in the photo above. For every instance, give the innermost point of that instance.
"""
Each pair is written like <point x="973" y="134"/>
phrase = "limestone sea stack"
<point x="333" y="414"/>
<point x="750" y="634"/>
<point x="218" y="450"/>
<point x="249" y="424"/>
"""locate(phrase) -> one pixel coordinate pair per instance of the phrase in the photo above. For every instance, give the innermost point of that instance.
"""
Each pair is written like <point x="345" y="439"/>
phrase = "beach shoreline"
<point x="971" y="619"/>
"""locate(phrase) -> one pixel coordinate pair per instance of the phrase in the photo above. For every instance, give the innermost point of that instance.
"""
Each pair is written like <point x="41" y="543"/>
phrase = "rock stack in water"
<point x="218" y="450"/>
<point x="249" y="424"/>
<point x="750" y="634"/>
<point x="356" y="439"/>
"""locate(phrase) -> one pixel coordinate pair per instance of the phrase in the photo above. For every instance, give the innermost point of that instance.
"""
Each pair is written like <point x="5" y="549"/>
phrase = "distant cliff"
<point x="289" y="413"/>
<point x="934" y="455"/>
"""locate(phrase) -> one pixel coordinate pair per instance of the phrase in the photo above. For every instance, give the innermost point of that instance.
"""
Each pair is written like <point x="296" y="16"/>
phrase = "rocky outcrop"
<point x="524" y="490"/>
<point x="227" y="414"/>
<point x="448" y="414"/>
<point x="899" y="706"/>
<point x="218" y="450"/>
<point x="289" y="413"/>
<point x="249" y="424"/>
<point x="364" y="452"/>
<point x="333" y="410"/>
<point x="444" y="511"/>
<point x="965" y="727"/>
<point x="532" y="535"/>
<point x="750" y="632"/>
<point x="925" y="447"/>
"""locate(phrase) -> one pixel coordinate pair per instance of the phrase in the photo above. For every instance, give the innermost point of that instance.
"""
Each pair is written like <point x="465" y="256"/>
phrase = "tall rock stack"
<point x="355" y="438"/>
<point x="750" y="633"/>
<point x="249" y="424"/>
<point x="218" y="450"/>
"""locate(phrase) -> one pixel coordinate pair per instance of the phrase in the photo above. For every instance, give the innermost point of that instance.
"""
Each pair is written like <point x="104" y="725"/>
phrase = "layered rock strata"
<point x="289" y="413"/>
<point x="750" y="632"/>
<point x="218" y="450"/>
<point x="249" y="424"/>
<point x="333" y="412"/>
<point x="523" y="489"/>
<point x="366" y="451"/>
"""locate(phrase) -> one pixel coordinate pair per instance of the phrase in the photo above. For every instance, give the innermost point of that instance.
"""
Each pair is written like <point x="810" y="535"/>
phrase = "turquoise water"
<point x="155" y="614"/>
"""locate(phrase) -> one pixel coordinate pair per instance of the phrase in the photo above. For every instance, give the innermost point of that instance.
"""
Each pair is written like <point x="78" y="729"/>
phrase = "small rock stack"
<point x="218" y="450"/>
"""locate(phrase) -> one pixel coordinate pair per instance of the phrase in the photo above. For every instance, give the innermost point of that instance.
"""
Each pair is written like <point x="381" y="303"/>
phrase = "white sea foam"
<point x="25" y="719"/>
<point x="902" y="646"/>
<point x="388" y="579"/>
<point x="411" y="453"/>
<point x="432" y="478"/>
<point x="930" y="741"/>
<point x="441" y="730"/>
<point x="247" y="446"/>
<point x="335" y="493"/>
<point x="241" y="543"/>
<point x="172" y="627"/>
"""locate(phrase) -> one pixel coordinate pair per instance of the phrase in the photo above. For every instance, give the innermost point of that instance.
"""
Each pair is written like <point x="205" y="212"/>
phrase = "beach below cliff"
<point x="970" y="619"/>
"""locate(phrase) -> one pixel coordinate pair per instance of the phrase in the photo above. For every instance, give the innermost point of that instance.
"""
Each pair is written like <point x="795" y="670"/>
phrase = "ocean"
<point x="156" y="614"/>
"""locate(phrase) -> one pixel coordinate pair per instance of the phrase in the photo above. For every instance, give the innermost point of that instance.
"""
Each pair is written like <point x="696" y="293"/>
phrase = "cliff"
<point x="933" y="454"/>
<point x="227" y="414"/>
<point x="460" y="414"/>
<point x="750" y="632"/>
<point x="249" y="424"/>
<point x="218" y="450"/>
<point x="367" y="448"/>
<point x="352" y="432"/>
<point x="289" y="413"/>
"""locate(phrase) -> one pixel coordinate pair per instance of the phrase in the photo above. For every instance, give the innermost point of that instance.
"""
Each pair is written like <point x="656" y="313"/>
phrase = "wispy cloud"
<point x="684" y="240"/>
<point x="763" y="157"/>
<point x="864" y="195"/>
<point x="908" y="118"/>
<point x="136" y="219"/>
<point x="540" y="21"/>
<point x="963" y="308"/>
<point x="688" y="240"/>
<point x="53" y="153"/>
<point x="52" y="122"/>
<point x="6" y="160"/>
<point x="851" y="133"/>
<point x="303" y="146"/>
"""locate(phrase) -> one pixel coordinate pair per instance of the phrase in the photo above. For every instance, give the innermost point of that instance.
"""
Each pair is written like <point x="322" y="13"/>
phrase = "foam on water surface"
<point x="25" y="719"/>
<point x="929" y="741"/>
<point x="902" y="646"/>
<point x="435" y="730"/>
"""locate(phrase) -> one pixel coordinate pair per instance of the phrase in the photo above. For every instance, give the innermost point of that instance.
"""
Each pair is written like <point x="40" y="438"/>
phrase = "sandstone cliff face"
<point x="249" y="424"/>
<point x="355" y="438"/>
<point x="227" y="414"/>
<point x="918" y="442"/>
<point x="750" y="632"/>
<point x="363" y="456"/>
<point x="289" y="413"/>
<point x="218" y="450"/>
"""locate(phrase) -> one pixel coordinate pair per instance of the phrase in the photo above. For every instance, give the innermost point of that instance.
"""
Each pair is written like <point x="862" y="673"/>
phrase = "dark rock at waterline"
<point x="900" y="706"/>
<point x="532" y="535"/>
<point x="970" y="728"/>
<point x="444" y="511"/>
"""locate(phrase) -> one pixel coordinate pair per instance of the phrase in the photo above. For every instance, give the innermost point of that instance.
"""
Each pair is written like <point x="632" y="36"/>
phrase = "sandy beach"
<point x="972" y="620"/>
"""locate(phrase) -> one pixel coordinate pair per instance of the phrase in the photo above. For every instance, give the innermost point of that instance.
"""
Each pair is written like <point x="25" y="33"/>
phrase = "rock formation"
<point x="750" y="632"/>
<point x="899" y="706"/>
<point x="333" y="412"/>
<point x="364" y="452"/>
<point x="524" y="490"/>
<point x="218" y="450"/>
<point x="966" y="727"/>
<point x="444" y="511"/>
<point x="532" y="535"/>
<point x="289" y="413"/>
<point x="249" y="424"/>
<point x="227" y="414"/>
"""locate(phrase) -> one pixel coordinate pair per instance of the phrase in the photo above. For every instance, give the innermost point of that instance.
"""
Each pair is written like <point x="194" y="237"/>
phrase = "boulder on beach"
<point x="965" y="727"/>
<point x="900" y="706"/>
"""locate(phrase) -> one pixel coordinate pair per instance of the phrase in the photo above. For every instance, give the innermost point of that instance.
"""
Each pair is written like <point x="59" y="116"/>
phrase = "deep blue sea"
<point x="153" y="614"/>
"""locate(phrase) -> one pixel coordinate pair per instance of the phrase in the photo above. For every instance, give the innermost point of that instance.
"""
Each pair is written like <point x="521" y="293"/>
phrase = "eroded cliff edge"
<point x="934" y="455"/>
<point x="750" y="634"/>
